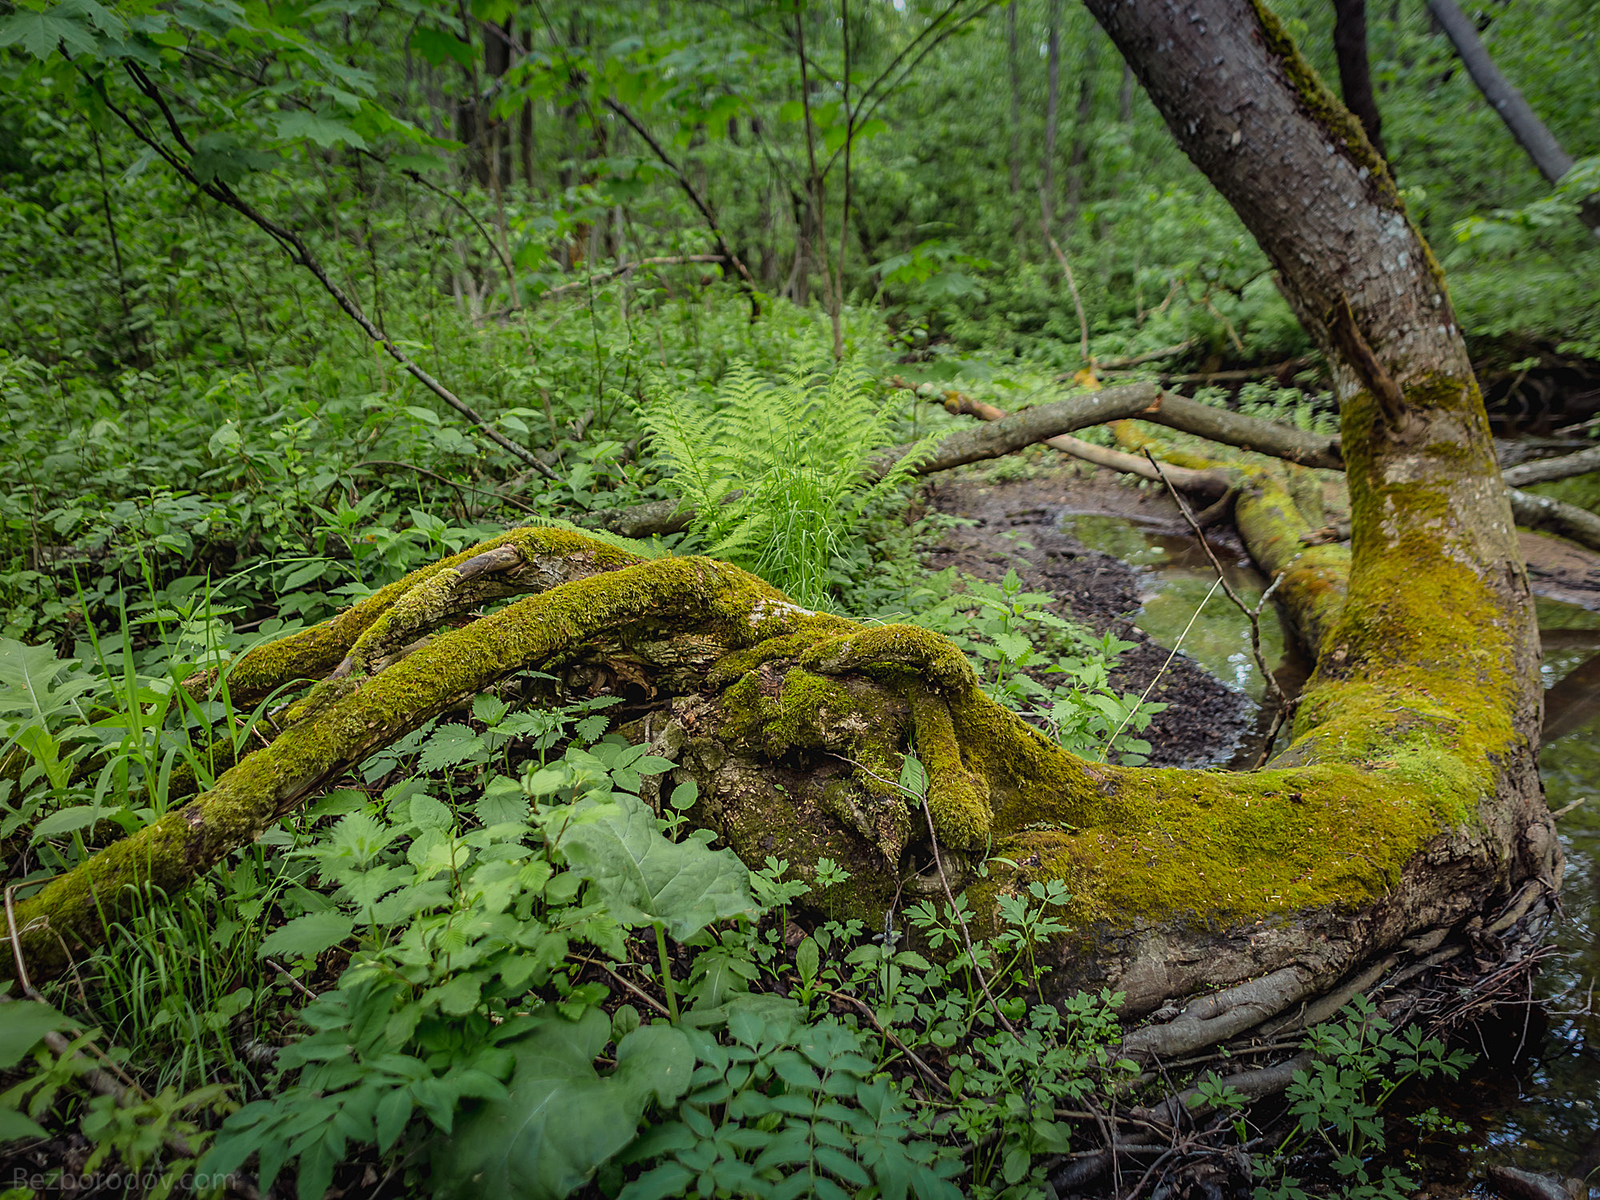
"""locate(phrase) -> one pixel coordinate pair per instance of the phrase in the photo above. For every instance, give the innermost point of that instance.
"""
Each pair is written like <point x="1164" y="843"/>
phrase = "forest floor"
<point x="1017" y="524"/>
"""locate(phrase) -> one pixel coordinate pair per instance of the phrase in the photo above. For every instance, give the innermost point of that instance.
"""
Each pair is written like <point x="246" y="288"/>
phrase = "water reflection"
<point x="1176" y="575"/>
<point x="1553" y="1121"/>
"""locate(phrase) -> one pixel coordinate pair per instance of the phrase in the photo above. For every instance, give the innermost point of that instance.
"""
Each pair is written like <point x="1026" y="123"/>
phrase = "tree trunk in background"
<point x="1052" y="107"/>
<point x="1080" y="131"/>
<point x="1014" y="64"/>
<point x="1355" y="76"/>
<point x="1547" y="154"/>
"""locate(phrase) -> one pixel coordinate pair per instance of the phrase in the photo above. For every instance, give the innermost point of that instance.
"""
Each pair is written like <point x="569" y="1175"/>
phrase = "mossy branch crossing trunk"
<point x="1406" y="806"/>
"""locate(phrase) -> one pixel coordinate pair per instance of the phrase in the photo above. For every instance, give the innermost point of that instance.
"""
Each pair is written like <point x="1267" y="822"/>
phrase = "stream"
<point x="1531" y="1101"/>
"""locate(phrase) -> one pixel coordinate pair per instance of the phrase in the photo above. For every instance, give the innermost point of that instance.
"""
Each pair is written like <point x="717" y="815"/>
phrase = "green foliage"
<point x="788" y="1108"/>
<point x="1361" y="1062"/>
<point x="1044" y="666"/>
<point x="200" y="451"/>
<point x="779" y="476"/>
<point x="559" y="1120"/>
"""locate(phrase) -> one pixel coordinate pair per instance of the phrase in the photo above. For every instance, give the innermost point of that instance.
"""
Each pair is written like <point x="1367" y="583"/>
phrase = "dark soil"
<point x="1017" y="525"/>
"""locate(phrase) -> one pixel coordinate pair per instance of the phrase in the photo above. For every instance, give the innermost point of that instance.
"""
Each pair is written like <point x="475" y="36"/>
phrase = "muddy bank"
<point x="1017" y="525"/>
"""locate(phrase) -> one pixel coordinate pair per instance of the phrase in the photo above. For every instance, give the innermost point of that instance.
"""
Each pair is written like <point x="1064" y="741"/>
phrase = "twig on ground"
<point x="459" y="486"/>
<point x="632" y="987"/>
<point x="293" y="982"/>
<point x="923" y="1068"/>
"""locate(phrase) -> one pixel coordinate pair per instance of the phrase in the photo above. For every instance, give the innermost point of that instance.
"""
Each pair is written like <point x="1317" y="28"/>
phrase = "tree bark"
<point x="1355" y="77"/>
<point x="1433" y="540"/>
<point x="1014" y="69"/>
<point x="1080" y="130"/>
<point x="1531" y="133"/>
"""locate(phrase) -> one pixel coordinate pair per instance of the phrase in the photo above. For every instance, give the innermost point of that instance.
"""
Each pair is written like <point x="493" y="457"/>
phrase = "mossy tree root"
<point x="1386" y="816"/>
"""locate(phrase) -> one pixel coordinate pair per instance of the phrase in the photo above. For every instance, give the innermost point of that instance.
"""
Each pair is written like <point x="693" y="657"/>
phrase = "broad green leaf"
<point x="22" y="1024"/>
<point x="14" y="1127"/>
<point x="324" y="131"/>
<point x="503" y="803"/>
<point x="31" y="683"/>
<point x="488" y="708"/>
<point x="46" y="751"/>
<point x="67" y="820"/>
<point x="40" y="34"/>
<point x="807" y="960"/>
<point x="560" y="1119"/>
<point x="449" y="745"/>
<point x="644" y="877"/>
<point x="222" y="156"/>
<point x="437" y="47"/>
<point x="669" y="1179"/>
<point x="308" y="935"/>
<point x="913" y="776"/>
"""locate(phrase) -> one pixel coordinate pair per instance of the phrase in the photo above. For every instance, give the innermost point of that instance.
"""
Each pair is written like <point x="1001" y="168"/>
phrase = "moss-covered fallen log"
<point x="791" y="720"/>
<point x="1405" y="808"/>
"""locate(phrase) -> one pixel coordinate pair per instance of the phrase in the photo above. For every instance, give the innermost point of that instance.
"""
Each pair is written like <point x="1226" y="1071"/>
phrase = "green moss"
<point x="1226" y="847"/>
<point x="936" y="658"/>
<point x="1325" y="108"/>
<point x="312" y="653"/>
<point x="958" y="797"/>
<point x="1330" y="114"/>
<point x="788" y="646"/>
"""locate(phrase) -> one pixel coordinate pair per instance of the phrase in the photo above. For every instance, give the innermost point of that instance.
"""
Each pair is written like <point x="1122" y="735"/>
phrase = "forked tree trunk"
<point x="1406" y="806"/>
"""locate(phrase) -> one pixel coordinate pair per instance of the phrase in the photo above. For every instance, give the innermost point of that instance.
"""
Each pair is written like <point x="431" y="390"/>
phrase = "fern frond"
<point x="778" y="473"/>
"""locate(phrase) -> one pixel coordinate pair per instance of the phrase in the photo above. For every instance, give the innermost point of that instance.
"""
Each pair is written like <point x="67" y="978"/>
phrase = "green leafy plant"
<point x="1361" y="1062"/>
<point x="779" y="475"/>
<point x="460" y="922"/>
<point x="789" y="1108"/>
<point x="1044" y="666"/>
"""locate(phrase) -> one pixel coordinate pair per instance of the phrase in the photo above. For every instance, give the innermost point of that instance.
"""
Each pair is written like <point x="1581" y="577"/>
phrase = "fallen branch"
<point x="1555" y="516"/>
<point x="1120" y="364"/>
<point x="1247" y="433"/>
<point x="1210" y="484"/>
<point x="1546" y="470"/>
<point x="668" y="260"/>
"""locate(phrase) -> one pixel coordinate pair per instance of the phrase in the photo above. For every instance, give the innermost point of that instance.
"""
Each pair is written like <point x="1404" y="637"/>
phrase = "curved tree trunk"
<point x="1406" y="806"/>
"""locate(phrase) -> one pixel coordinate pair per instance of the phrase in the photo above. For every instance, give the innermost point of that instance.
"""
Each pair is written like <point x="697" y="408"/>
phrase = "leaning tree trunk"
<point x="1406" y="805"/>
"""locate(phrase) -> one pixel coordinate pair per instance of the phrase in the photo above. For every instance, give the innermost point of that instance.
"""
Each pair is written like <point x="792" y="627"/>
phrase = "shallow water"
<point x="1539" y="1113"/>
<point x="1176" y="577"/>
<point x="1552" y="1113"/>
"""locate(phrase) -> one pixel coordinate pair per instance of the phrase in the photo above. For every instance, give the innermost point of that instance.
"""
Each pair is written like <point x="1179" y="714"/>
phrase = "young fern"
<point x="779" y="475"/>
